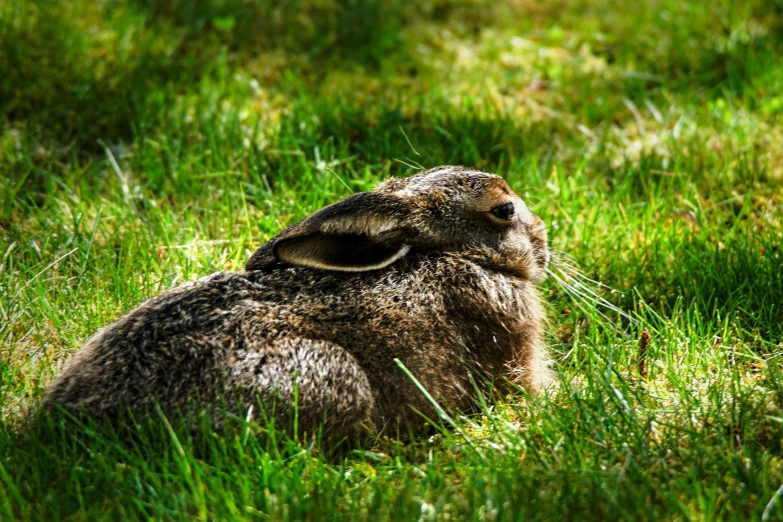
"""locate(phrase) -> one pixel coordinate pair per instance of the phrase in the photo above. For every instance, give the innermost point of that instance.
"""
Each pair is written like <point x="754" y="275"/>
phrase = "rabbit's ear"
<point x="362" y="232"/>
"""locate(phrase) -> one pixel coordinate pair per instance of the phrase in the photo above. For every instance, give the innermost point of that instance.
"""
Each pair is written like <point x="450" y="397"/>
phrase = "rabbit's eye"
<point x="504" y="211"/>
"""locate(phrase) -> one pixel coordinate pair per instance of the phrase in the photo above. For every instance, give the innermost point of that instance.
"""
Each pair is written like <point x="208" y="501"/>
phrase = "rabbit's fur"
<point x="430" y="269"/>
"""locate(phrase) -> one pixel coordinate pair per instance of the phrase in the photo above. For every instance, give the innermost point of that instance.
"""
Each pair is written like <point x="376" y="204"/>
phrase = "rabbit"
<point x="437" y="270"/>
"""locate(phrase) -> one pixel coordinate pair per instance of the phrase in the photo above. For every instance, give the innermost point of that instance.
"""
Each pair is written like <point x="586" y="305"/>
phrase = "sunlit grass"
<point x="145" y="144"/>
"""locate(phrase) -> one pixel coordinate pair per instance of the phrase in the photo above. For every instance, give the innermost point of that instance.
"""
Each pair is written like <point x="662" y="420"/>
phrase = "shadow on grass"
<point x="448" y="135"/>
<point x="735" y="281"/>
<point x="82" y="71"/>
<point x="354" y="30"/>
<point x="740" y="279"/>
<point x="57" y="468"/>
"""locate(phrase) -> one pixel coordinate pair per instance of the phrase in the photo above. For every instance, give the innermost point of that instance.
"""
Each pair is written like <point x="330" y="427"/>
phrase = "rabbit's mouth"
<point x="529" y="264"/>
<point x="527" y="256"/>
<point x="534" y="275"/>
<point x="542" y="257"/>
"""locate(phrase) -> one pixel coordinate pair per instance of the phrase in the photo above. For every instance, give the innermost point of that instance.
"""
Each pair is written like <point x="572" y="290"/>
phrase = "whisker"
<point x="574" y="282"/>
<point x="577" y="284"/>
<point x="562" y="259"/>
<point x="575" y="271"/>
<point x="599" y="283"/>
<point x="579" y="299"/>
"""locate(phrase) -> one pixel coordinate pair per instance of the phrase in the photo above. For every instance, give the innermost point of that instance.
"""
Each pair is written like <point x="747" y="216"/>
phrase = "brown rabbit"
<point x="436" y="270"/>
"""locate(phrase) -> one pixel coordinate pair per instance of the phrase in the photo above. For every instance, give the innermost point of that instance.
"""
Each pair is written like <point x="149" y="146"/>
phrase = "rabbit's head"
<point x="447" y="208"/>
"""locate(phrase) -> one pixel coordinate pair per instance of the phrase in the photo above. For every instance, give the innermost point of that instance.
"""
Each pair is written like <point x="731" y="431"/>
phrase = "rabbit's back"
<point x="168" y="350"/>
<point x="433" y="312"/>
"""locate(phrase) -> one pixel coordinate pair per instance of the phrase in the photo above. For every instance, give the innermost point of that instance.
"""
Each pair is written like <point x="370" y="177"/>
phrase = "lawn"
<point x="147" y="143"/>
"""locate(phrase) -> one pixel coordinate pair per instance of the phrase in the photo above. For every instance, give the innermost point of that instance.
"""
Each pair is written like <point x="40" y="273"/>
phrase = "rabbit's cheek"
<point x="517" y="253"/>
<point x="526" y="255"/>
<point x="539" y="243"/>
<point x="540" y="251"/>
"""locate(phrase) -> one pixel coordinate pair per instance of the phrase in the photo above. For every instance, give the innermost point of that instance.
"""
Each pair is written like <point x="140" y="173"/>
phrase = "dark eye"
<point x="504" y="211"/>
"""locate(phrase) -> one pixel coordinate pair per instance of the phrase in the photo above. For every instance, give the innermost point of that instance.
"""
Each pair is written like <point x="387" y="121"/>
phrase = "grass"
<point x="144" y="144"/>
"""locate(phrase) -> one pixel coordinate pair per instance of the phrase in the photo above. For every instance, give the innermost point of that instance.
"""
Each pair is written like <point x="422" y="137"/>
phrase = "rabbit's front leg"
<point x="305" y="383"/>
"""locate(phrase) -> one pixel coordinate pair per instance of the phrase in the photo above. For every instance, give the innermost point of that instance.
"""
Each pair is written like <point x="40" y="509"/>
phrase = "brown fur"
<point x="419" y="269"/>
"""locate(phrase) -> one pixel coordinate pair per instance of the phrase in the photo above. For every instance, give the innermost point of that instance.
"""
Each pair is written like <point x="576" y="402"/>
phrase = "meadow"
<point x="147" y="143"/>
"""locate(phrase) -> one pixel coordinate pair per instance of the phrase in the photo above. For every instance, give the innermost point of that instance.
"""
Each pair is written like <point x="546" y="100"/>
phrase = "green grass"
<point x="144" y="144"/>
